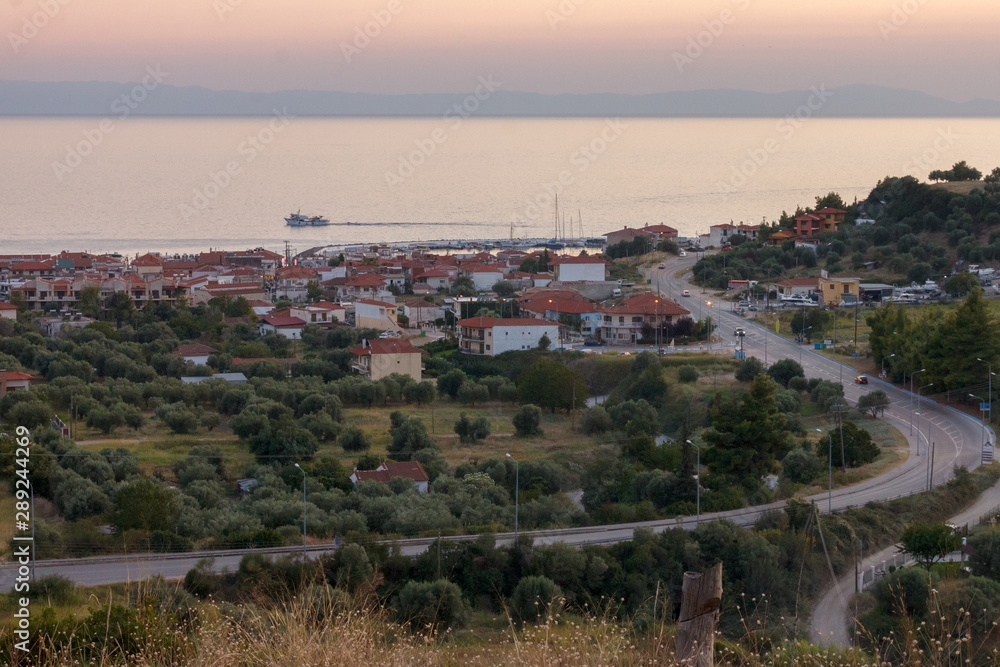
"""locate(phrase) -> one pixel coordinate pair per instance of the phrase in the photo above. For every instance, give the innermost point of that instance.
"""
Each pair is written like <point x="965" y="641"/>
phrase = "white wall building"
<point x="587" y="269"/>
<point x="491" y="336"/>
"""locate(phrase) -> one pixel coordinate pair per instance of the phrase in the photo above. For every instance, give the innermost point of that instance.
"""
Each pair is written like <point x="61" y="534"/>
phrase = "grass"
<point x="7" y="512"/>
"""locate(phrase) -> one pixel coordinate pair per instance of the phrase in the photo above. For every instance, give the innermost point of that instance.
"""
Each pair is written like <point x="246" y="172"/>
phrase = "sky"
<point x="945" y="48"/>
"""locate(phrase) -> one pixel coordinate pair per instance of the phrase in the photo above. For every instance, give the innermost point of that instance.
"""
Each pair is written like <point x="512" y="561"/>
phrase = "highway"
<point x="956" y="436"/>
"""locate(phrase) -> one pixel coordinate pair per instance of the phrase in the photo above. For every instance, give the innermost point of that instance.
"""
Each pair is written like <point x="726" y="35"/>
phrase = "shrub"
<point x="800" y="465"/>
<point x="534" y="598"/>
<point x="527" y="420"/>
<point x="596" y="420"/>
<point x="749" y="369"/>
<point x="435" y="604"/>
<point x="785" y="370"/>
<point x="798" y="383"/>
<point x="353" y="439"/>
<point x="472" y="430"/>
<point x="687" y="373"/>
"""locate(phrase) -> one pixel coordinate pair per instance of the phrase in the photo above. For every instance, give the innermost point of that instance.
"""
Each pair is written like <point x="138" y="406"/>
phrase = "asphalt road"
<point x="956" y="436"/>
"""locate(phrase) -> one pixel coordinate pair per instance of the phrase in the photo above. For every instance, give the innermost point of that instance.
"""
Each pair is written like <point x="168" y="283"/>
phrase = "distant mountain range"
<point x="27" y="98"/>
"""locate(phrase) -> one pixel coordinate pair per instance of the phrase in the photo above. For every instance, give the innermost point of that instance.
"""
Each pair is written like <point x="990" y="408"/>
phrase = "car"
<point x="752" y="308"/>
<point x="592" y="341"/>
<point x="686" y="292"/>
<point x="739" y="331"/>
<point x="390" y="334"/>
<point x="683" y="254"/>
<point x="663" y="266"/>
<point x="861" y="379"/>
<point x="624" y="354"/>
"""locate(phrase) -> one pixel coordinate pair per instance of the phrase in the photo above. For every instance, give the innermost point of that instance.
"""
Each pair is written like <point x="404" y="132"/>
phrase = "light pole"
<point x="989" y="378"/>
<point x="883" y="363"/>
<point x="303" y="508"/>
<point x="911" y="397"/>
<point x="803" y="334"/>
<point x="918" y="421"/>
<point x="697" y="487"/>
<point x="829" y="496"/>
<point x="517" y="482"/>
<point x="659" y="350"/>
<point x="708" y="325"/>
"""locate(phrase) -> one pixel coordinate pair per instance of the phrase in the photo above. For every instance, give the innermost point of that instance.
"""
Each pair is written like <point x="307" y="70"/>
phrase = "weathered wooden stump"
<point x="701" y="596"/>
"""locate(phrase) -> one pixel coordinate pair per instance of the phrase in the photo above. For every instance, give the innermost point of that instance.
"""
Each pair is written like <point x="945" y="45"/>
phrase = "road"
<point x="956" y="436"/>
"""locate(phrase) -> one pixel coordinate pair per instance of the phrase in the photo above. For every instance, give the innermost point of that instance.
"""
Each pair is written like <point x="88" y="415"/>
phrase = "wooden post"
<point x="701" y="596"/>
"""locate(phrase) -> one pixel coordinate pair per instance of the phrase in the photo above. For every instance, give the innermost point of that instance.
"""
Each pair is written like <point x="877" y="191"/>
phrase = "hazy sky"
<point x="944" y="47"/>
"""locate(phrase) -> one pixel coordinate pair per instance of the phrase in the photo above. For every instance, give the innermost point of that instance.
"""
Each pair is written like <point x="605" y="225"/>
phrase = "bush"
<point x="54" y="590"/>
<point x="596" y="420"/>
<point x="470" y="431"/>
<point x="749" y="369"/>
<point x="687" y="373"/>
<point x="353" y="439"/>
<point x="801" y="466"/>
<point x="435" y="604"/>
<point x="534" y="598"/>
<point x="785" y="370"/>
<point x="527" y="420"/>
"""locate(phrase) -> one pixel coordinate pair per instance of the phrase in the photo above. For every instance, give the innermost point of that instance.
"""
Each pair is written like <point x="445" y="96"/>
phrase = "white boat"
<point x="299" y="220"/>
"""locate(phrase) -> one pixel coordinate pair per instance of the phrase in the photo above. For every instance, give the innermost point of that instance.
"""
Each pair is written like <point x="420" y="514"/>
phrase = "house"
<point x="779" y="237"/>
<point x="797" y="287"/>
<point x="371" y="314"/>
<point x="574" y="313"/>
<point x="808" y="243"/>
<point x="377" y="359"/>
<point x="491" y="336"/>
<point x="437" y="278"/>
<point x="52" y="326"/>
<point x="420" y="313"/>
<point x="749" y="231"/>
<point x="819" y="222"/>
<point x="389" y="470"/>
<point x="281" y="322"/>
<point x="261" y="307"/>
<point x="196" y="353"/>
<point x="719" y="235"/>
<point x="293" y="281"/>
<point x="8" y="311"/>
<point x="660" y="232"/>
<point x="583" y="268"/>
<point x="483" y="276"/>
<point x="626" y="234"/>
<point x="148" y="265"/>
<point x="322" y="312"/>
<point x="839" y="291"/>
<point x="13" y="381"/>
<point x="623" y="324"/>
<point x="361" y="286"/>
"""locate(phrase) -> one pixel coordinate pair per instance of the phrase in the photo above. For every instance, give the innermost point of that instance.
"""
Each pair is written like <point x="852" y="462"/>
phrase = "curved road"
<point x="956" y="435"/>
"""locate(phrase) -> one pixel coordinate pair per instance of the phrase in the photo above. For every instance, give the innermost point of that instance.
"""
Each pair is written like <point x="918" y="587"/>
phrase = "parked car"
<point x="861" y="379"/>
<point x="592" y="342"/>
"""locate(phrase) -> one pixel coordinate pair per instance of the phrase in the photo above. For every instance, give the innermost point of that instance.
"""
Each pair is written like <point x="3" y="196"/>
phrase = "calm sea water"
<point x="177" y="185"/>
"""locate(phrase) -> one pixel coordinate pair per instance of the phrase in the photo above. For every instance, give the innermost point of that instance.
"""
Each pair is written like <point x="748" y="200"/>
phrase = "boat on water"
<point x="299" y="220"/>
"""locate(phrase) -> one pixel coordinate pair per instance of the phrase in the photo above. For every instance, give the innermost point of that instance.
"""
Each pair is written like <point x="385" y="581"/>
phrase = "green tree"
<point x="551" y="385"/>
<point x="472" y="430"/>
<point x="353" y="439"/>
<point x="120" y="308"/>
<point x="527" y="420"/>
<point x="450" y="382"/>
<point x="544" y="342"/>
<point x="985" y="558"/>
<point x="90" y="300"/>
<point x="635" y="418"/>
<point x="875" y="403"/>
<point x="961" y="283"/>
<point x="463" y="286"/>
<point x="534" y="598"/>
<point x="859" y="448"/>
<point x="421" y="393"/>
<point x="928" y="542"/>
<point x="143" y="504"/>
<point x="529" y="265"/>
<point x="504" y="289"/>
<point x="830" y="200"/>
<point x="435" y="605"/>
<point x="956" y="341"/>
<point x="314" y="292"/>
<point x="784" y="370"/>
<point x="409" y="436"/>
<point x="748" y="434"/>
<point x="749" y="369"/>
<point x="596" y="420"/>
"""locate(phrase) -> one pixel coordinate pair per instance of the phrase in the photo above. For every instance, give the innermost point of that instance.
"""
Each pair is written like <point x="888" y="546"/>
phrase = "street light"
<point x="303" y="508"/>
<point x="803" y="334"/>
<point x="708" y="325"/>
<point x="829" y="496"/>
<point x="922" y="370"/>
<point x="883" y="363"/>
<point x="697" y="479"/>
<point x="659" y="350"/>
<point x="517" y="482"/>
<point x="989" y="378"/>
<point x="982" y="433"/>
<point x="918" y="421"/>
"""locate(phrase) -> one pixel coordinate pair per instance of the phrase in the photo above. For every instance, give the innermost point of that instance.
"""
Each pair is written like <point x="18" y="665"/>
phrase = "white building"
<point x="371" y="314"/>
<point x="491" y="336"/>
<point x="587" y="269"/>
<point x="484" y="277"/>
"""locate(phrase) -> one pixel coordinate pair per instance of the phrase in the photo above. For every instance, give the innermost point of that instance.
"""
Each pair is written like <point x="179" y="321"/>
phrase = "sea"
<point x="176" y="185"/>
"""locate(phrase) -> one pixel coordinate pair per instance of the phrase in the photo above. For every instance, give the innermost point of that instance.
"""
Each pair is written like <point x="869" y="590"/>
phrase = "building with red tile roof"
<point x="379" y="358"/>
<point x="390" y="470"/>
